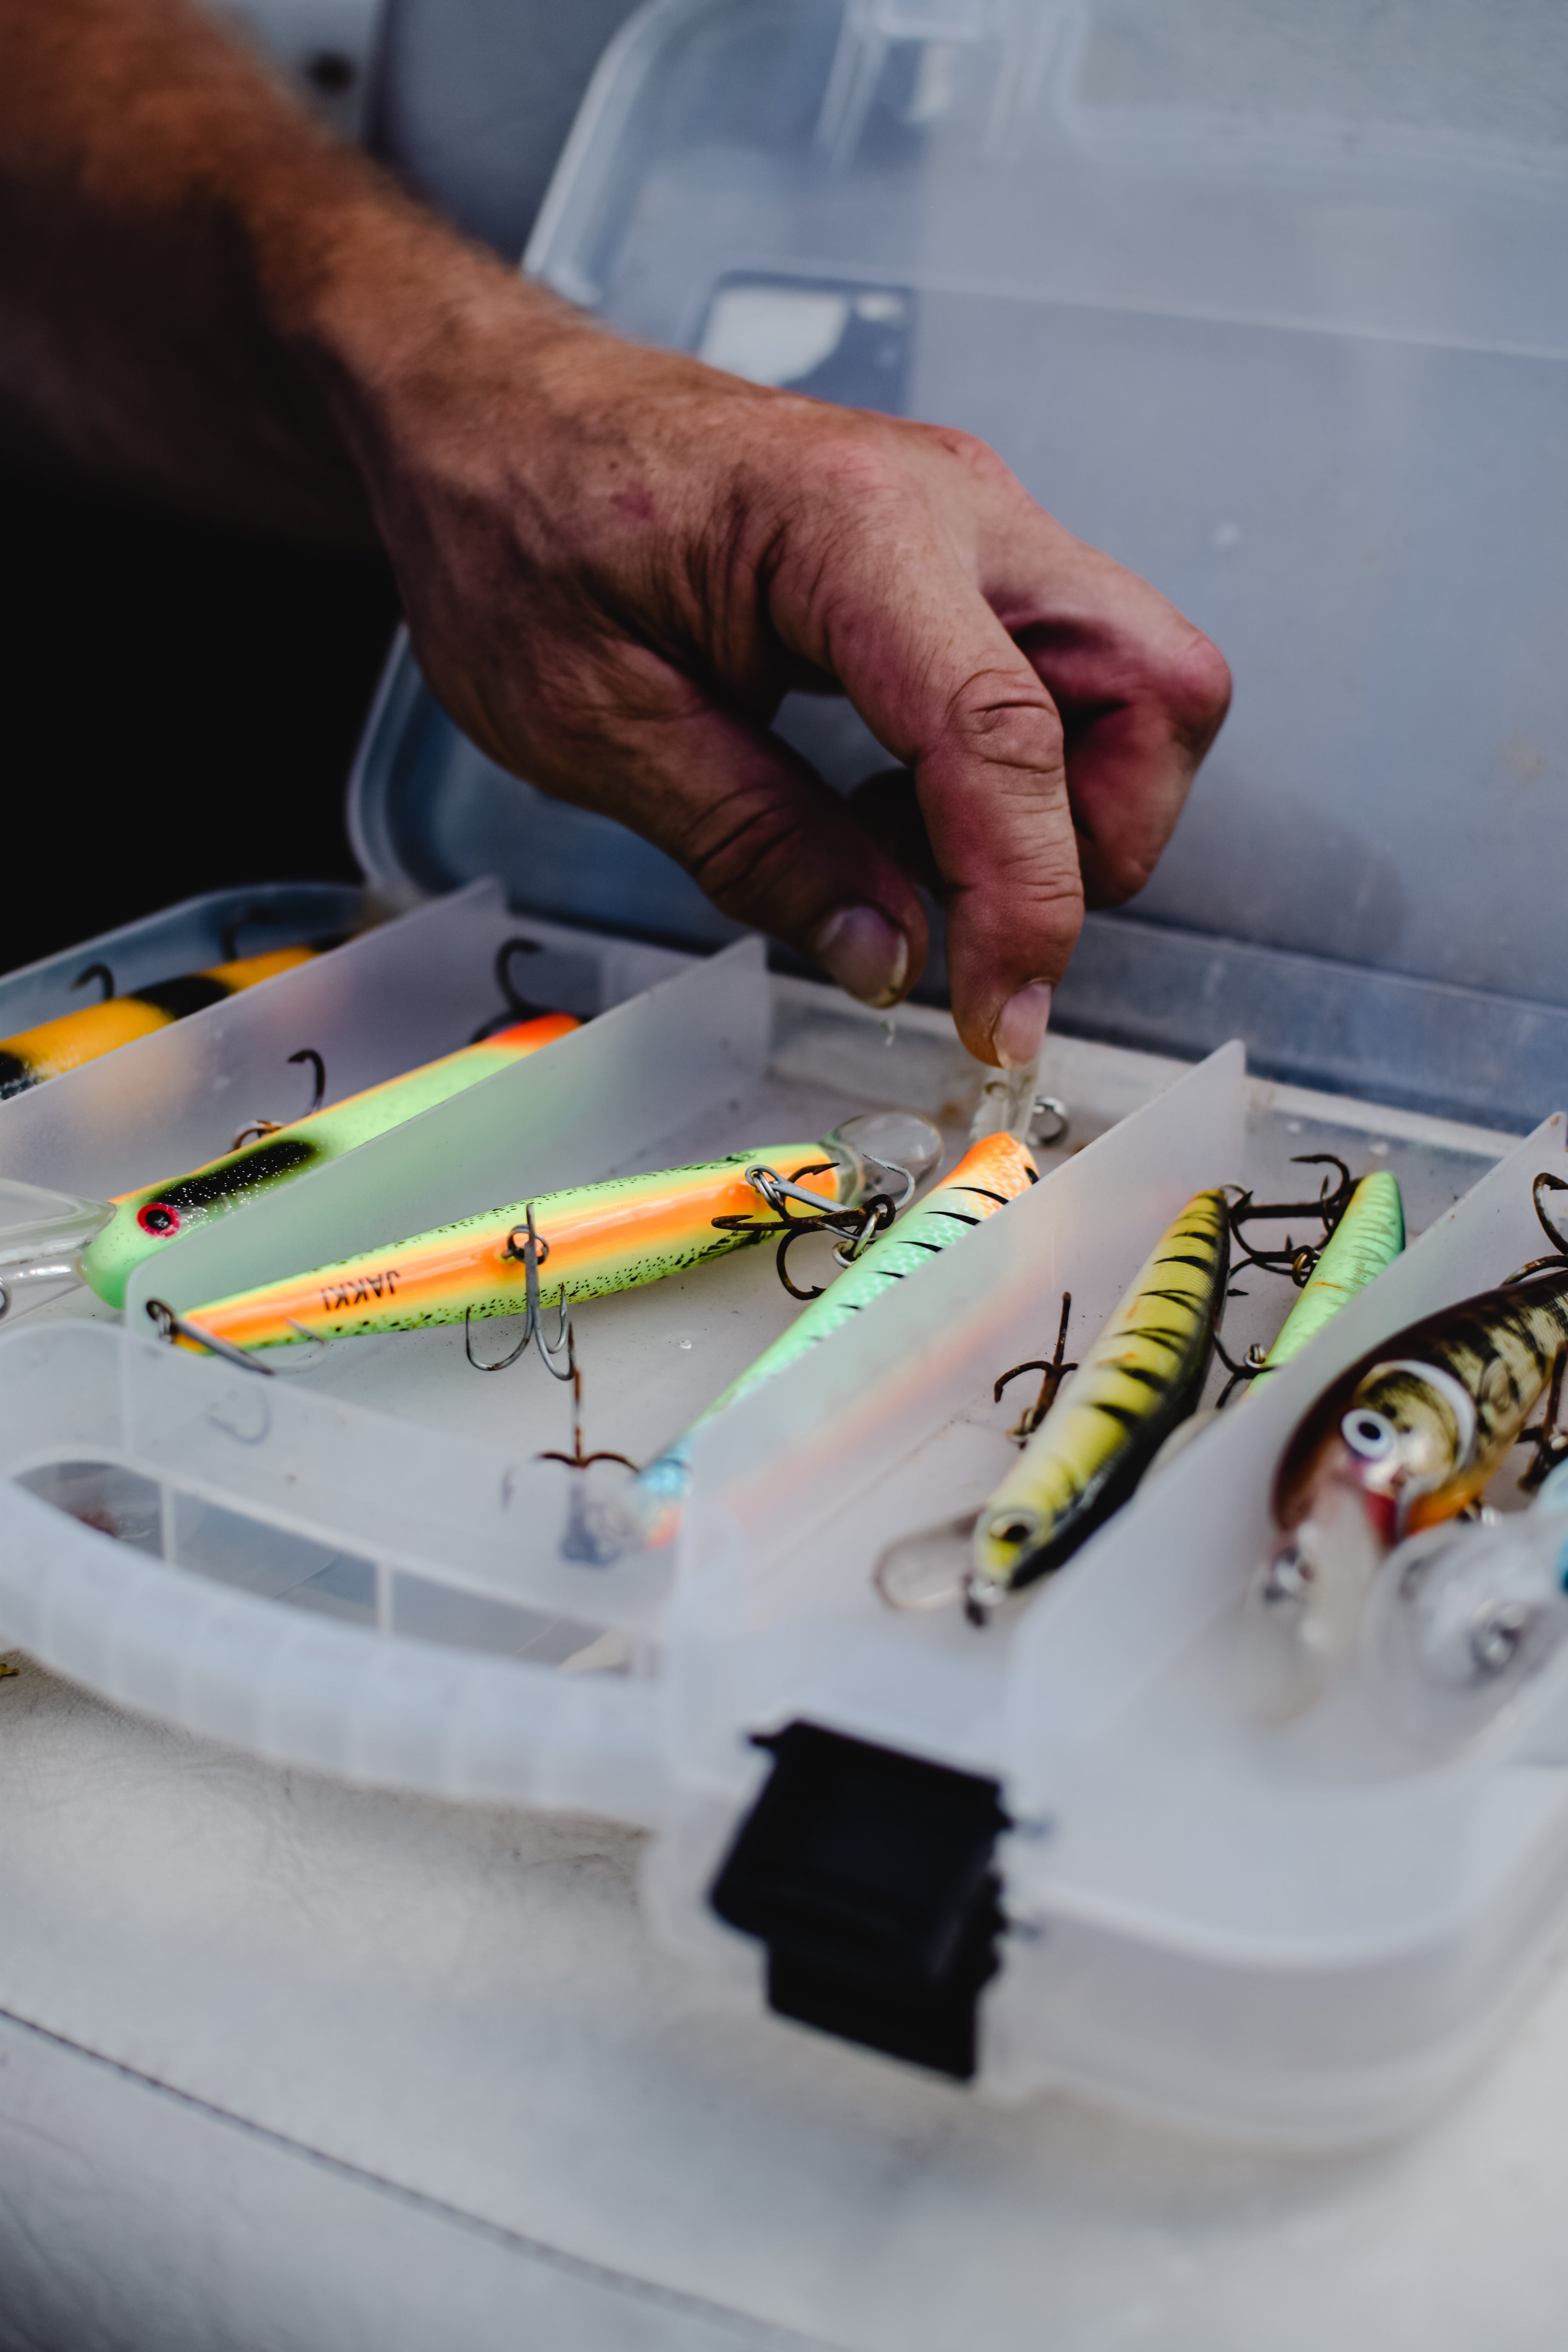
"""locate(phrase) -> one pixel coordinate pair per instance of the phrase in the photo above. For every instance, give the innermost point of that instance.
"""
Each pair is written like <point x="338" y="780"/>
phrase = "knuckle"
<point x="1200" y="691"/>
<point x="999" y="721"/>
<point x="730" y="851"/>
<point x="976" y="457"/>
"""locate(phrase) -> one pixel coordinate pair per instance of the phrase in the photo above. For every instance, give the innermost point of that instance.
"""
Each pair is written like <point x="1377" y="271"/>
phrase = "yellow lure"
<point x="1143" y="1374"/>
<point x="56" y="1046"/>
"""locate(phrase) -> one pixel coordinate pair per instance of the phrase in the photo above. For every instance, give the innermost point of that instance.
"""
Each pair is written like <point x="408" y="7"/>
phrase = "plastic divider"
<point x="400" y="995"/>
<point x="565" y="1115"/>
<point x="189" y="937"/>
<point x="796" y="1490"/>
<point x="1295" y="1929"/>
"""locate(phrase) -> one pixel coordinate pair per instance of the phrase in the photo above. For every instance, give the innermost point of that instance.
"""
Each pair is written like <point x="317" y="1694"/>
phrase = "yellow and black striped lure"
<point x="56" y="1046"/>
<point x="1142" y="1375"/>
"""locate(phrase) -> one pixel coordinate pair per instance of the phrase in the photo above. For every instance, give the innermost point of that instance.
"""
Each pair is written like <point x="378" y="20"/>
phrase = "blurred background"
<point x="188" y="695"/>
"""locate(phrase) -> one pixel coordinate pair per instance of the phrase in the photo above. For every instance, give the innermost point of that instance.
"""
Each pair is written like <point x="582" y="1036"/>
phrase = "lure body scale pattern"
<point x="1142" y="1375"/>
<point x="56" y="1046"/>
<point x="1419" y="1426"/>
<point x="594" y="1239"/>
<point x="1369" y="1236"/>
<point x="147" y="1221"/>
<point x="991" y="1173"/>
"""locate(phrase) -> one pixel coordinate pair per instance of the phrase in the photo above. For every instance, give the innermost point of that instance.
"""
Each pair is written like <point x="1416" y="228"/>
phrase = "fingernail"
<point x="861" y="949"/>
<point x="1021" y="1025"/>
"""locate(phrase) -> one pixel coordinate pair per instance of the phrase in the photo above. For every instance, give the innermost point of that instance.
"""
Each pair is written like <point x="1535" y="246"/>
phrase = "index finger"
<point x="938" y="680"/>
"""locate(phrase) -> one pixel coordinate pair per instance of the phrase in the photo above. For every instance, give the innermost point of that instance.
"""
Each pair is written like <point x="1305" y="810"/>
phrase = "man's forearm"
<point x="192" y="269"/>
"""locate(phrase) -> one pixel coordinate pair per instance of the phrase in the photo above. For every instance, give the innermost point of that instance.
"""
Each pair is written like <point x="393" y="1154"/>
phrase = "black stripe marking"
<point x="279" y="1157"/>
<point x="1121" y="1416"/>
<point x="192" y="993"/>
<point x="15" y="1075"/>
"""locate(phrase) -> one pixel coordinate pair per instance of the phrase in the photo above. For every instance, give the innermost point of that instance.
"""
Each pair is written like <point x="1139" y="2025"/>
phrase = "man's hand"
<point x="615" y="563"/>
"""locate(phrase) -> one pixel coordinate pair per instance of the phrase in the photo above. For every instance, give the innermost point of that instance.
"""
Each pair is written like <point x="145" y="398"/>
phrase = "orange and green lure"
<point x="145" y="1221"/>
<point x="594" y="1239"/>
<point x="991" y="1172"/>
<point x="56" y="1046"/>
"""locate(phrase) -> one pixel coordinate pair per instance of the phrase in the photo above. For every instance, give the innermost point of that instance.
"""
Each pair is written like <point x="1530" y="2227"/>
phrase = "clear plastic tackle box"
<point x="1252" y="349"/>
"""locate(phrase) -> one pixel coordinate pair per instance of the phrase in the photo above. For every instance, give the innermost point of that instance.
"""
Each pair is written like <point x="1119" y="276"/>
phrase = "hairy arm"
<point x="615" y="562"/>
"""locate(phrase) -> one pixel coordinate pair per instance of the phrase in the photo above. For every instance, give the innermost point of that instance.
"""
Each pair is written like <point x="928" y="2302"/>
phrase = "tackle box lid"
<point x="1273" y="309"/>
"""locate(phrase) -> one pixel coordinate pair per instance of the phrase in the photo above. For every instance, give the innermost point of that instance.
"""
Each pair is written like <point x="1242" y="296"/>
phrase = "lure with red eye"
<point x="143" y="1220"/>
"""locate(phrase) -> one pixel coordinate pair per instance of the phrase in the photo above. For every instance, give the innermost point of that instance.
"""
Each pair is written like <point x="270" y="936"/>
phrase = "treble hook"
<point x="1559" y="1246"/>
<point x="172" y="1326"/>
<point x="532" y="1255"/>
<point x="1330" y="1206"/>
<point x="101" y="973"/>
<point x="228" y="936"/>
<point x="855" y="1226"/>
<point x="779" y="1191"/>
<point x="258" y="1128"/>
<point x="1552" y="1184"/>
<point x="1055" y="1373"/>
<point x="518" y="1007"/>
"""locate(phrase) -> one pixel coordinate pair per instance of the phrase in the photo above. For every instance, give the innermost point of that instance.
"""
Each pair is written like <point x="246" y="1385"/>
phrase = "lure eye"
<point x="159" y="1220"/>
<point x="1495" y="1642"/>
<point x="1368" y="1434"/>
<point x="1013" y="1531"/>
<point x="1289" y="1574"/>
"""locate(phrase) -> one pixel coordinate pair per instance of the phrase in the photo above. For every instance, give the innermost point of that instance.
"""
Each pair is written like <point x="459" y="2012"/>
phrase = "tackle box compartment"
<point x="359" y="1566"/>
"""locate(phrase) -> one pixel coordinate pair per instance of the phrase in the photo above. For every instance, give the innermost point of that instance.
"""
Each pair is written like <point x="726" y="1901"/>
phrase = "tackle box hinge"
<point x="868" y="1875"/>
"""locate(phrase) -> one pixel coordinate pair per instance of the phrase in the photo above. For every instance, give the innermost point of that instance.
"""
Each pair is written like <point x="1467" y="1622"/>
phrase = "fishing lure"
<point x="990" y="1174"/>
<point x="594" y="1239"/>
<point x="56" y="1046"/>
<point x="145" y="1221"/>
<point x="1407" y="1437"/>
<point x="1463" y="1615"/>
<point x="1369" y="1236"/>
<point x="1142" y="1375"/>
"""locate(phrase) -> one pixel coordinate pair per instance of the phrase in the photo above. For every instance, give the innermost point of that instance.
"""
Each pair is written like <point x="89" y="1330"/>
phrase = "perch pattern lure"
<point x="56" y="1046"/>
<point x="1403" y="1440"/>
<point x="991" y="1173"/>
<point x="145" y="1221"/>
<point x="591" y="1239"/>
<point x="1142" y="1375"/>
<point x="1416" y="1429"/>
<point x="1369" y="1236"/>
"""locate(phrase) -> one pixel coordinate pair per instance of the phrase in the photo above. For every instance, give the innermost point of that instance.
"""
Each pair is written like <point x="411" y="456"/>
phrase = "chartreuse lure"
<point x="1142" y="1376"/>
<point x="591" y="1240"/>
<point x="56" y="1046"/>
<point x="146" y="1222"/>
<point x="1369" y="1236"/>
<point x="991" y="1173"/>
